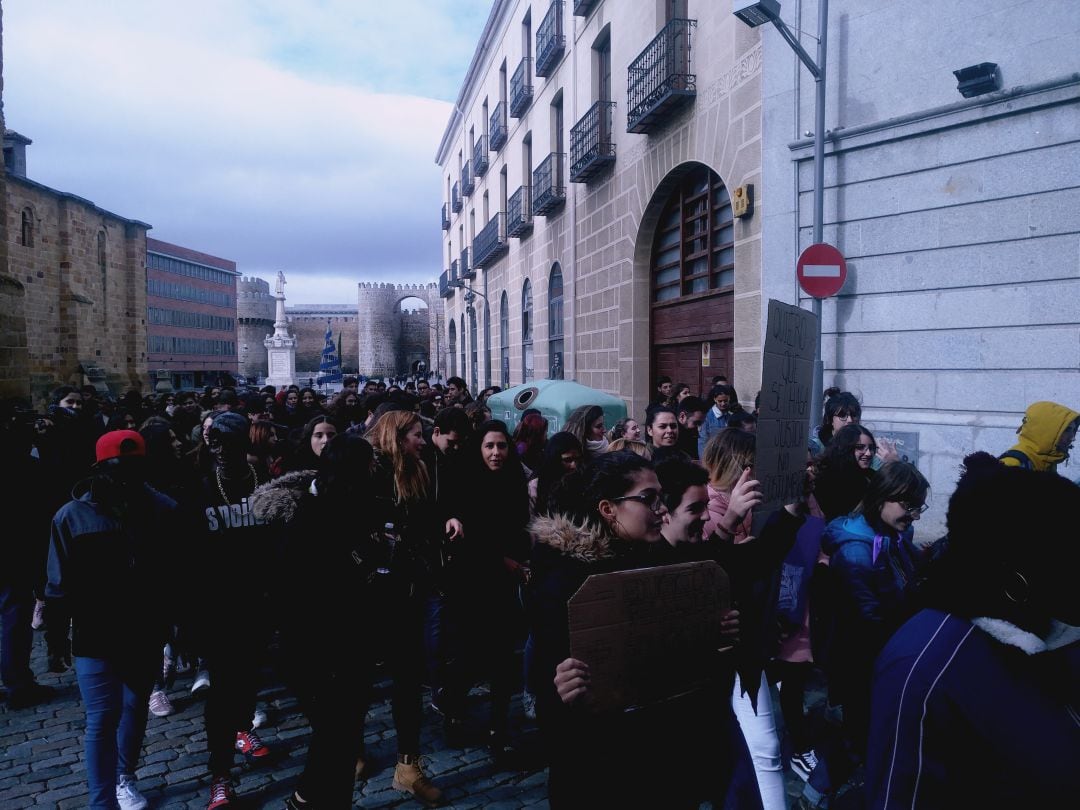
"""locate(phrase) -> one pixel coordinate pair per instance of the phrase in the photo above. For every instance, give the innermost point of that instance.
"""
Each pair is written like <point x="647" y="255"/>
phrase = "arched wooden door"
<point x="692" y="271"/>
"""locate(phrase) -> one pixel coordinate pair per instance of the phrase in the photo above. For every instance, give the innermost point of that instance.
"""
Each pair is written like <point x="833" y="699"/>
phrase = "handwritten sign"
<point x="648" y="634"/>
<point x="787" y="375"/>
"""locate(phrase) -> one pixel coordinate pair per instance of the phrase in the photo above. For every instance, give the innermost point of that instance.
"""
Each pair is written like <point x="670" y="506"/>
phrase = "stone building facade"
<point x="254" y="321"/>
<point x="74" y="289"/>
<point x="959" y="217"/>
<point x="391" y="341"/>
<point x="308" y="325"/>
<point x="598" y="235"/>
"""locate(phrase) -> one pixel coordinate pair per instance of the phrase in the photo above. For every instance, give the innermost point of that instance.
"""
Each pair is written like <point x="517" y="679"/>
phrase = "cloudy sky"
<point x="297" y="135"/>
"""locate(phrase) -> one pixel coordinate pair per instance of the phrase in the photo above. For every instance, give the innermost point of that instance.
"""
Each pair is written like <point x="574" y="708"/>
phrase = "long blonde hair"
<point x="410" y="474"/>
<point x="623" y="443"/>
<point x="727" y="453"/>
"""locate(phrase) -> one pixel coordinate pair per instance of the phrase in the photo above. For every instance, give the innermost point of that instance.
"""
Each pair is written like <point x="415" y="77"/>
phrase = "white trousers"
<point x="763" y="740"/>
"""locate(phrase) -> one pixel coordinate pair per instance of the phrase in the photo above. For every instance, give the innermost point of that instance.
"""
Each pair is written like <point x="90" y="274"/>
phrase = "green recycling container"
<point x="556" y="400"/>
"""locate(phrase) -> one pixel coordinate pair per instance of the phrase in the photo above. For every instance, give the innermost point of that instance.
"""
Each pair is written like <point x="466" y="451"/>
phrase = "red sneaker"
<point x="248" y="742"/>
<point x="221" y="793"/>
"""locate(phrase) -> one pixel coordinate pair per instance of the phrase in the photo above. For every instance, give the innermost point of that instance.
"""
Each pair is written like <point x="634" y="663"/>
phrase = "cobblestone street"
<point x="42" y="762"/>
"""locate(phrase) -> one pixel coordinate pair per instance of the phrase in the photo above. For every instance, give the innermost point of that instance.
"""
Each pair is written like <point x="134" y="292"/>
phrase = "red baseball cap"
<point x="120" y="443"/>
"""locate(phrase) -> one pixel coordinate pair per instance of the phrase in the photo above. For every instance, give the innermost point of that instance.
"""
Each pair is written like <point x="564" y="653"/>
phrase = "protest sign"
<point x="648" y="634"/>
<point x="787" y="376"/>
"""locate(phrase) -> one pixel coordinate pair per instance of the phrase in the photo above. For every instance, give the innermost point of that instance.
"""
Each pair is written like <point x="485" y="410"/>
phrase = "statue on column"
<point x="280" y="287"/>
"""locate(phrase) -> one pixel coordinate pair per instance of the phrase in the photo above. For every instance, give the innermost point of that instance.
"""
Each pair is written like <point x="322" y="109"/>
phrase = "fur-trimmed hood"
<point x="585" y="542"/>
<point x="278" y="499"/>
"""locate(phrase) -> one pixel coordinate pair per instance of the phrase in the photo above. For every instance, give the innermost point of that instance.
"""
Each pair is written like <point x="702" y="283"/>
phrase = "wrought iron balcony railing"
<point x="455" y="197"/>
<point x="550" y="40"/>
<point x="592" y="148"/>
<point x="445" y="290"/>
<point x="521" y="88"/>
<point x="497" y="127"/>
<point x="660" y="80"/>
<point x="446" y="216"/>
<point x="480" y="156"/>
<point x="455" y="278"/>
<point x="467" y="270"/>
<point x="583" y="7"/>
<point x="519" y="221"/>
<point x="467" y="184"/>
<point x="548" y="186"/>
<point x="490" y="244"/>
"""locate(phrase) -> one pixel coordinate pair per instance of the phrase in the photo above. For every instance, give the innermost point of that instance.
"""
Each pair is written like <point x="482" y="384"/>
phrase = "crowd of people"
<point x="401" y="525"/>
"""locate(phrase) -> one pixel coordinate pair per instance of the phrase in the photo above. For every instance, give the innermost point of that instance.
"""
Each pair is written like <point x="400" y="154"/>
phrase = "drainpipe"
<point x="570" y="279"/>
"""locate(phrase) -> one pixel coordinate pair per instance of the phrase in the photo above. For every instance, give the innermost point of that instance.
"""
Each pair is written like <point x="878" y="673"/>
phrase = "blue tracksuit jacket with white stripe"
<point x="976" y="714"/>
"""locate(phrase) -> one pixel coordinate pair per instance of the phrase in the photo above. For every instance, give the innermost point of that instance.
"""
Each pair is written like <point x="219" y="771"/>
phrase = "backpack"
<point x="1025" y="462"/>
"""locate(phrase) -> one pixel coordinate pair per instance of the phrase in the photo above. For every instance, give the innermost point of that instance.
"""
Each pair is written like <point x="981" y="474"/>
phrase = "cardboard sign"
<point x="787" y="376"/>
<point x="648" y="634"/>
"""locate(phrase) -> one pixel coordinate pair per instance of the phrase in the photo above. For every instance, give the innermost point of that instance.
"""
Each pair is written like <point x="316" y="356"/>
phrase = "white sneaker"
<point x="259" y="719"/>
<point x="160" y="705"/>
<point x="528" y="702"/>
<point x="202" y="681"/>
<point x="127" y="796"/>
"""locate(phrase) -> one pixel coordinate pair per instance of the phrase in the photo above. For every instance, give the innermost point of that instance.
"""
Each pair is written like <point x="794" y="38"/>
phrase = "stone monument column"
<point x="280" y="346"/>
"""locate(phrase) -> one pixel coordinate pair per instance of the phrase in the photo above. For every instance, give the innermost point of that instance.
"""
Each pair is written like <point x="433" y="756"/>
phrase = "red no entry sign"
<point x="821" y="270"/>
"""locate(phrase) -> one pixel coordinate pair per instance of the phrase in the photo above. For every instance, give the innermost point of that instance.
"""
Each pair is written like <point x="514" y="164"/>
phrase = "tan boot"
<point x="410" y="778"/>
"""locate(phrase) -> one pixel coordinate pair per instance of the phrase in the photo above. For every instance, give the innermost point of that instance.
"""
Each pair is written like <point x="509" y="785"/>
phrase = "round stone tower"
<point x="389" y="338"/>
<point x="254" y="321"/>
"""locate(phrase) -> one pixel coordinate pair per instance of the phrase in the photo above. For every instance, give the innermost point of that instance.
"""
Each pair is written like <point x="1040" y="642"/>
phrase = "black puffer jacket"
<point x="622" y="758"/>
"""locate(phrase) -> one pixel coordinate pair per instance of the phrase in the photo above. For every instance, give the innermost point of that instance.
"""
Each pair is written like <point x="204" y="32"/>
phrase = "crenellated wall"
<point x="254" y="321"/>
<point x="391" y="341"/>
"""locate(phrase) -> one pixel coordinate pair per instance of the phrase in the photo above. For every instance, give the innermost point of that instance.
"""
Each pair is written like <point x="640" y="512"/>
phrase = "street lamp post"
<point x="758" y="12"/>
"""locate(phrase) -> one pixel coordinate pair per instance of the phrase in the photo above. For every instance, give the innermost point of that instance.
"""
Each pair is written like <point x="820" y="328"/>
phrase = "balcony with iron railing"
<point x="592" y="147"/>
<point x="445" y="290"/>
<point x="519" y="221"/>
<point x="497" y="127"/>
<point x="455" y="279"/>
<point x="659" y="80"/>
<point x="446" y="216"/>
<point x="467" y="270"/>
<point x="521" y="88"/>
<point x="550" y="40"/>
<point x="467" y="184"/>
<point x="490" y="244"/>
<point x="583" y="7"/>
<point x="455" y="197"/>
<point x="480" y="156"/>
<point x="548" y="186"/>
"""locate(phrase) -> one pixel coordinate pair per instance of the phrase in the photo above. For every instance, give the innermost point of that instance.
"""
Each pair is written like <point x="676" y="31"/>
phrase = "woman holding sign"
<point x="608" y="517"/>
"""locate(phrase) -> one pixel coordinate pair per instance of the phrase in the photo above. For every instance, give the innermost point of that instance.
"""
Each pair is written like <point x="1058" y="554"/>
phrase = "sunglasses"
<point x="866" y="448"/>
<point x="913" y="510"/>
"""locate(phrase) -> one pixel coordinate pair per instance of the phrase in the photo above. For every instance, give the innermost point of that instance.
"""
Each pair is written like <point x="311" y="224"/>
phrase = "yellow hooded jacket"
<point x="1040" y="432"/>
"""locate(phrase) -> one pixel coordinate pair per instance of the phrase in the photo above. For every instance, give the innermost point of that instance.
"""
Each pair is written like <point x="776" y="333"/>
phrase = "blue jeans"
<point x="16" y="638"/>
<point x="115" y="697"/>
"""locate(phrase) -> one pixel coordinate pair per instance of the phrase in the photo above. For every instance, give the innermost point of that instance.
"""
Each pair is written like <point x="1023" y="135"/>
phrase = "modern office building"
<point x="191" y="320"/>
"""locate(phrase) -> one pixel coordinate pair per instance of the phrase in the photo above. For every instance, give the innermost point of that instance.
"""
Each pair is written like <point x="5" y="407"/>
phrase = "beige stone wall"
<point x="75" y="314"/>
<point x="602" y="238"/>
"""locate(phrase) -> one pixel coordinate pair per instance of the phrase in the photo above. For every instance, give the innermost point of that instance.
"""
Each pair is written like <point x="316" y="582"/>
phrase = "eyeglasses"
<point x="650" y="499"/>
<point x="913" y="510"/>
<point x="866" y="448"/>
